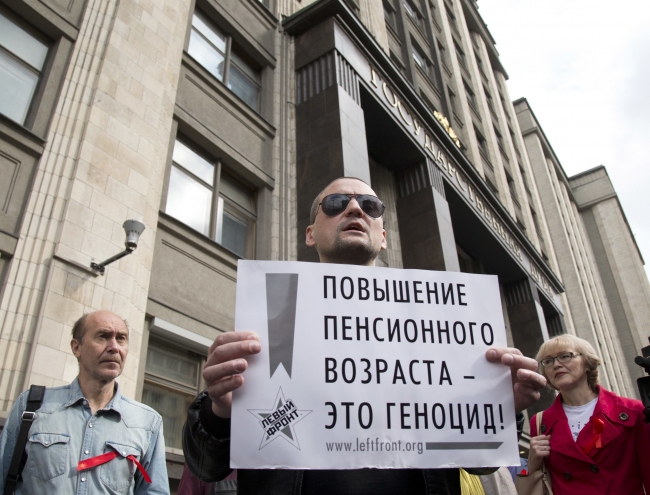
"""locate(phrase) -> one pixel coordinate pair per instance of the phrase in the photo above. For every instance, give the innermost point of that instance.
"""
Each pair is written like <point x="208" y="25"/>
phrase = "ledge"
<point x="21" y="136"/>
<point x="197" y="240"/>
<point x="174" y="333"/>
<point x="66" y="255"/>
<point x="8" y="242"/>
<point x="255" y="118"/>
<point x="255" y="47"/>
<point x="263" y="10"/>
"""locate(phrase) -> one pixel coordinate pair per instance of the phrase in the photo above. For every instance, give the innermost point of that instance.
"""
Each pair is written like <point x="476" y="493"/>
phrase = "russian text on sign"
<point x="396" y="356"/>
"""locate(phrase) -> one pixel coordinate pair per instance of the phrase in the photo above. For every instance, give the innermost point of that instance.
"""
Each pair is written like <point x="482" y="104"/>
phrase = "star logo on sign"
<point x="280" y="421"/>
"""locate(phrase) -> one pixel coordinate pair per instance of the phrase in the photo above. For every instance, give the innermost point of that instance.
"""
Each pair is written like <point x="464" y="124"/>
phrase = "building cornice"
<point x="537" y="129"/>
<point x="613" y="195"/>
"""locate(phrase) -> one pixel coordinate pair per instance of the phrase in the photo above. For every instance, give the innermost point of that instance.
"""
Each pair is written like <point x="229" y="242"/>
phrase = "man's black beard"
<point x="354" y="254"/>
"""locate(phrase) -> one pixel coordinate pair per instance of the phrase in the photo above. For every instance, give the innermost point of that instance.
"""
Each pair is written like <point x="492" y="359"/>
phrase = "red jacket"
<point x="621" y="465"/>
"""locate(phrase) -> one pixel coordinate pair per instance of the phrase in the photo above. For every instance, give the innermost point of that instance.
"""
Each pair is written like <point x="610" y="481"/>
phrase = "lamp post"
<point x="133" y="229"/>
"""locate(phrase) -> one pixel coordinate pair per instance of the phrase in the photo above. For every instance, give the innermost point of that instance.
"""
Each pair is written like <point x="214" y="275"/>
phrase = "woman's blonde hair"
<point x="567" y="343"/>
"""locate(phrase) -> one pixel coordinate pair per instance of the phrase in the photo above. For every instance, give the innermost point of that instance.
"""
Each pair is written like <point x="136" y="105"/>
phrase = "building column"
<point x="103" y="163"/>
<point x="528" y="326"/>
<point x="425" y="227"/>
<point x="330" y="130"/>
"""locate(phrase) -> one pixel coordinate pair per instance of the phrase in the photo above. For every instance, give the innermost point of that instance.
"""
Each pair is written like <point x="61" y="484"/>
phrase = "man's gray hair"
<point x="316" y="202"/>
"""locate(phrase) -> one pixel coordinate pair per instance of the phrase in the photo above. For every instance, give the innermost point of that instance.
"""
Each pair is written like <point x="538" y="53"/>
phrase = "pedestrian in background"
<point x="87" y="437"/>
<point x="592" y="441"/>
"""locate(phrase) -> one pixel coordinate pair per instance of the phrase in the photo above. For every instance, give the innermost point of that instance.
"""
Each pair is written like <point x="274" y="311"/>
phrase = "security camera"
<point x="133" y="229"/>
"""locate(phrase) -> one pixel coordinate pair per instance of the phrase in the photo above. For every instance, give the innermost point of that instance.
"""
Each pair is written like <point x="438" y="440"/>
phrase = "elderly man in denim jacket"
<point x="87" y="437"/>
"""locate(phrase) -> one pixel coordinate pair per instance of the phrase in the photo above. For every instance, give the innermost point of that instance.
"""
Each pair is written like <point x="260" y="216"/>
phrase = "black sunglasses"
<point x="334" y="204"/>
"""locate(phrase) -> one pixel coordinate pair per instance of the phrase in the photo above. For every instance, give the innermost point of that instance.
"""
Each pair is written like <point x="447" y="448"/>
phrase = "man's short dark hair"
<point x="316" y="202"/>
<point x="79" y="327"/>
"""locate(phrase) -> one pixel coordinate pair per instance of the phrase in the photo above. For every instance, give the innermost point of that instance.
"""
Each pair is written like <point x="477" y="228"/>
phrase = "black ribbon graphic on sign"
<point x="281" y="295"/>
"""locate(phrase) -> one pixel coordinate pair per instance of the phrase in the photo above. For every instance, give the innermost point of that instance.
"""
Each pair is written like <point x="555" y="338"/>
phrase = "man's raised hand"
<point x="526" y="382"/>
<point x="226" y="360"/>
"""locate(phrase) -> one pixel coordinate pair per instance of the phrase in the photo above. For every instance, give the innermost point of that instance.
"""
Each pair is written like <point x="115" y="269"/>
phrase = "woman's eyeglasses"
<point x="562" y="358"/>
<point x="334" y="204"/>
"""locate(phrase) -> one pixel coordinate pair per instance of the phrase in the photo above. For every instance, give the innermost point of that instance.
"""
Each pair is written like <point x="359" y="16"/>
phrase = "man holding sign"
<point x="347" y="228"/>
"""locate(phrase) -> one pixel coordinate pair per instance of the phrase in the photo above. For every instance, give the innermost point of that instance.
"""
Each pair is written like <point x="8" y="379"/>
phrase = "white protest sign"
<point x="371" y="367"/>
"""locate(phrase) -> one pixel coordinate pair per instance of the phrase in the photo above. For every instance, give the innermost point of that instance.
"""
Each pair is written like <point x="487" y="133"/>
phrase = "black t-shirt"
<point x="363" y="482"/>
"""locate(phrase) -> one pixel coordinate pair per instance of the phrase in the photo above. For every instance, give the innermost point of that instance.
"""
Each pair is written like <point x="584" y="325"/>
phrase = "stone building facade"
<point x="600" y="262"/>
<point x="216" y="122"/>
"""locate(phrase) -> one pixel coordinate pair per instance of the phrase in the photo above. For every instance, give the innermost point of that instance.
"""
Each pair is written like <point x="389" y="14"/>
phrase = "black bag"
<point x="34" y="401"/>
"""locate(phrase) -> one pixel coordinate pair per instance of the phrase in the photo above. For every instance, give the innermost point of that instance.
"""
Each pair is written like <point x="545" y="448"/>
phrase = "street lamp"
<point x="133" y="229"/>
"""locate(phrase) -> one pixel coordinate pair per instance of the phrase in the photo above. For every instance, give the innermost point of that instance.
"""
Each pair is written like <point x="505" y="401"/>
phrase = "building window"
<point x="517" y="205"/>
<point x="490" y="177"/>
<point x="22" y="57"/>
<point x="172" y="378"/>
<point x="505" y="107"/>
<point x="452" y="101"/>
<point x="443" y="54"/>
<point x="211" y="201"/>
<point x="512" y="188"/>
<point x="397" y="61"/>
<point x="460" y="55"/>
<point x="434" y="16"/>
<point x="471" y="99"/>
<point x="514" y="140"/>
<point x="450" y="14"/>
<point x="499" y="138"/>
<point x="538" y="229"/>
<point x="427" y="101"/>
<point x="414" y="14"/>
<point x="490" y="102"/>
<point x="235" y="221"/>
<point x="482" y="146"/>
<point x="389" y="15"/>
<point x="524" y="178"/>
<point x="488" y="168"/>
<point x="479" y="62"/>
<point x="214" y="51"/>
<point x="502" y="148"/>
<point x="421" y="61"/>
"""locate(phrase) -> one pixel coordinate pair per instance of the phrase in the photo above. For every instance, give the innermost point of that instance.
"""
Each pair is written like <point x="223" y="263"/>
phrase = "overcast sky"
<point x="584" y="66"/>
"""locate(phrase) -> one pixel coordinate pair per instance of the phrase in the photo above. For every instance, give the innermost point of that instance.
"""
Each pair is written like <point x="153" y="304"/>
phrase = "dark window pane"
<point x="389" y="15"/>
<point x="470" y="96"/>
<point x="234" y="233"/>
<point x="172" y="406"/>
<point x="172" y="363"/>
<point x="420" y="60"/>
<point x="237" y="192"/>
<point x="246" y="68"/>
<point x="243" y="87"/>
<point x="413" y="13"/>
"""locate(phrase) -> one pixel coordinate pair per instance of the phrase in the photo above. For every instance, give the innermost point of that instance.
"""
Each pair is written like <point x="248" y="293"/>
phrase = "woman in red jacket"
<point x="592" y="440"/>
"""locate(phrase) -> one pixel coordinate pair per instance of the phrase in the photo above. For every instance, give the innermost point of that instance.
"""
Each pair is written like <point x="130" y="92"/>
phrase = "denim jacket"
<point x="65" y="432"/>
